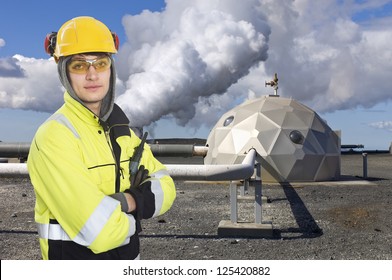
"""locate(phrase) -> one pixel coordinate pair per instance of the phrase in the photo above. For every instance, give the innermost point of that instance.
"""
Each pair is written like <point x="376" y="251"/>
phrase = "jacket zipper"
<point x="118" y="168"/>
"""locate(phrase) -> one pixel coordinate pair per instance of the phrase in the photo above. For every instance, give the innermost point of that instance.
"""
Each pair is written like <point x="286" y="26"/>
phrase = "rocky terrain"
<point x="349" y="219"/>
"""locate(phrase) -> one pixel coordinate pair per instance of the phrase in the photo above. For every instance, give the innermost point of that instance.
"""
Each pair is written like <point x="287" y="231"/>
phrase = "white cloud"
<point x="385" y="125"/>
<point x="9" y="67"/>
<point x="2" y="42"/>
<point x="187" y="53"/>
<point x="37" y="89"/>
<point x="199" y="58"/>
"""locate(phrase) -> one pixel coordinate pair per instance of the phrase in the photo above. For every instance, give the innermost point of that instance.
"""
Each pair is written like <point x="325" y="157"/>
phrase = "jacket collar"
<point x="79" y="110"/>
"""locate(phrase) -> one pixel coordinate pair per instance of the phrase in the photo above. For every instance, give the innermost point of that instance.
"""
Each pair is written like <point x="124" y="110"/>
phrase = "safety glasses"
<point x="81" y="66"/>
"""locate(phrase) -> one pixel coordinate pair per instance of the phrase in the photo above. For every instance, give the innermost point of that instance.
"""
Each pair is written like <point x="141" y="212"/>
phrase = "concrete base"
<point x="242" y="229"/>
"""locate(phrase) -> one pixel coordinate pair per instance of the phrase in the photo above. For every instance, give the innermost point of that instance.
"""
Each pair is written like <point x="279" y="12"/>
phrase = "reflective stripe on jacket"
<point x="73" y="170"/>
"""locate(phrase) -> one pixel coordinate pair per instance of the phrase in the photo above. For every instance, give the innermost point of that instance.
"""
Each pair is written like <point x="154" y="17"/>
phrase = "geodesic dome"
<point x="292" y="141"/>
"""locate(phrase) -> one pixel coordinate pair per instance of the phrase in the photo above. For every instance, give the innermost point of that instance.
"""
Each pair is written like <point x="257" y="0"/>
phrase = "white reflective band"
<point x="156" y="189"/>
<point x="159" y="174"/>
<point x="56" y="232"/>
<point x="52" y="232"/>
<point x="92" y="227"/>
<point x="60" y="118"/>
<point x="97" y="221"/>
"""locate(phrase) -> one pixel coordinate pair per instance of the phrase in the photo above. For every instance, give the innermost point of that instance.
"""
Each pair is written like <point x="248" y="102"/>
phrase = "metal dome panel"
<point x="292" y="141"/>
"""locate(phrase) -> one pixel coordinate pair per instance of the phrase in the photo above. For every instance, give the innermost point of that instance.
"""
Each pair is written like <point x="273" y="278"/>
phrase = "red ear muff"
<point x="50" y="43"/>
<point x="116" y="40"/>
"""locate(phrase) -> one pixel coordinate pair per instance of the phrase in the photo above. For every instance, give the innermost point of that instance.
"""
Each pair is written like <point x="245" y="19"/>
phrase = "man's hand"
<point x="128" y="202"/>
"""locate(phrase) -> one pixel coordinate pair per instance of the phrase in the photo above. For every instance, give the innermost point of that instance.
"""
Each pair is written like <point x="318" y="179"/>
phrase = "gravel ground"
<point x="345" y="220"/>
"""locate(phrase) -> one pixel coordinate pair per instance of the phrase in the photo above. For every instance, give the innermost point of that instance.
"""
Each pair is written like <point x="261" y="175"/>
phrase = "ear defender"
<point x="116" y="40"/>
<point x="50" y="43"/>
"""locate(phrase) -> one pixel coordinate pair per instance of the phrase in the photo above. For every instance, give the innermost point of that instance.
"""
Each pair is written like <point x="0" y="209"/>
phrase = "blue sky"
<point x="332" y="56"/>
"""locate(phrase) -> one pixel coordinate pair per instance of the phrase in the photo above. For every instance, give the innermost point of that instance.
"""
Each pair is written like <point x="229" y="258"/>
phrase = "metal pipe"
<point x="258" y="194"/>
<point x="178" y="150"/>
<point x="21" y="150"/>
<point x="178" y="171"/>
<point x="200" y="151"/>
<point x="233" y="202"/>
<point x="364" y="165"/>
<point x="352" y="146"/>
<point x="214" y="172"/>
<point x="13" y="170"/>
<point x="14" y="150"/>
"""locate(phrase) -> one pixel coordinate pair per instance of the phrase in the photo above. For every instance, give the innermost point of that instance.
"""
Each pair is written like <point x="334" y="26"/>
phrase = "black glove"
<point x="140" y="176"/>
<point x="141" y="191"/>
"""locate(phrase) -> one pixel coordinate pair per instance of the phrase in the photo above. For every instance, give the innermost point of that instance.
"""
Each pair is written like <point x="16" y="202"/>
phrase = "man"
<point x="88" y="206"/>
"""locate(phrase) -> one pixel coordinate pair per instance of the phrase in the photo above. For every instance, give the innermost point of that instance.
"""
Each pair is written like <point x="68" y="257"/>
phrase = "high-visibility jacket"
<point x="73" y="168"/>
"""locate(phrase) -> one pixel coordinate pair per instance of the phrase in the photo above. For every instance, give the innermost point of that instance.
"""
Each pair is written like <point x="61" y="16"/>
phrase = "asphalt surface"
<point x="349" y="219"/>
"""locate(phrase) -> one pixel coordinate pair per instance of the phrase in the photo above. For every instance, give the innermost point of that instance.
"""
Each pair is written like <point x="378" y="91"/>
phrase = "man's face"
<point x="89" y="76"/>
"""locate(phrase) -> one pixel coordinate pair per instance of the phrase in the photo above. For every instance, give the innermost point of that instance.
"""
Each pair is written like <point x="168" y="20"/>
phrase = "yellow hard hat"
<point x="81" y="35"/>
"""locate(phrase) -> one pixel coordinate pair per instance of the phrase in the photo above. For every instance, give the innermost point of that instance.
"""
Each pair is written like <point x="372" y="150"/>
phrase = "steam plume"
<point x="191" y="50"/>
<point x="197" y="59"/>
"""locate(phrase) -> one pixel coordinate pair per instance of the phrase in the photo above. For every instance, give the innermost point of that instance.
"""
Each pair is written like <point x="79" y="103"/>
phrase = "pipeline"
<point x="214" y="172"/>
<point x="21" y="150"/>
<point x="178" y="150"/>
<point x="13" y="170"/>
<point x="14" y="150"/>
<point x="177" y="171"/>
<point x="354" y="146"/>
